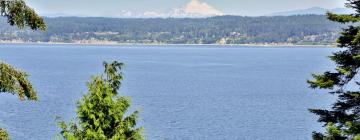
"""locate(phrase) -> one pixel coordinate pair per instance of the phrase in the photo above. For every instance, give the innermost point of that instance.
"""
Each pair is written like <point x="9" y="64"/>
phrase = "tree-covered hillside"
<point x="306" y="29"/>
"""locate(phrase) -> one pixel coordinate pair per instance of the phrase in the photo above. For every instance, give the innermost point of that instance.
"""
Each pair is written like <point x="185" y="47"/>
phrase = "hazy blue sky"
<point x="115" y="7"/>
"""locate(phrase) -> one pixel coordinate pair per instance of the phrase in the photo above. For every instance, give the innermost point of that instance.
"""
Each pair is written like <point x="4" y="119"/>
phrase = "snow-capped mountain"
<point x="193" y="9"/>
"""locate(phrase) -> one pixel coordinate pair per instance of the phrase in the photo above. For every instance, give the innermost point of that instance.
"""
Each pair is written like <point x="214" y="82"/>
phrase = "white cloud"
<point x="151" y="14"/>
<point x="195" y="8"/>
<point x="126" y="13"/>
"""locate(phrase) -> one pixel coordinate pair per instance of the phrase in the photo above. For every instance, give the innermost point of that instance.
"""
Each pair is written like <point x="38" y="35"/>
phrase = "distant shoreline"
<point x="145" y="44"/>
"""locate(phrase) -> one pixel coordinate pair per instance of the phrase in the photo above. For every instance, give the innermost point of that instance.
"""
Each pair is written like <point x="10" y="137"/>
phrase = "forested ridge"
<point x="304" y="29"/>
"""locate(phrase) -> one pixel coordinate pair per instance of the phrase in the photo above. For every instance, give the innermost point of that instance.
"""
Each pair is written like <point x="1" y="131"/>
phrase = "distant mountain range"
<point x="314" y="11"/>
<point x="197" y="9"/>
<point x="193" y="9"/>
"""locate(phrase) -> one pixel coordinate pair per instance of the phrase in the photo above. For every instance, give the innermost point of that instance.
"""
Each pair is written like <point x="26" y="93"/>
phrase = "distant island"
<point x="265" y="30"/>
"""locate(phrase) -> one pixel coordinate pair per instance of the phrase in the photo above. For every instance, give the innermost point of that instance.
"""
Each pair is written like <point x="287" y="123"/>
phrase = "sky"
<point x="144" y="8"/>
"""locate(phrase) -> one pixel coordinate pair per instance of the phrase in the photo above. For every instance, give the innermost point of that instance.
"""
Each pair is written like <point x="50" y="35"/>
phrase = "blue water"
<point x="183" y="93"/>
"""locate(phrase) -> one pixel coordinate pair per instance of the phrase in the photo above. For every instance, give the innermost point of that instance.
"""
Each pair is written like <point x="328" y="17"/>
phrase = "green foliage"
<point x="332" y="133"/>
<point x="342" y="18"/>
<point x="19" y="14"/>
<point x="12" y="80"/>
<point x="306" y="29"/>
<point x="4" y="135"/>
<point x="343" y="120"/>
<point x="101" y="112"/>
<point x="15" y="81"/>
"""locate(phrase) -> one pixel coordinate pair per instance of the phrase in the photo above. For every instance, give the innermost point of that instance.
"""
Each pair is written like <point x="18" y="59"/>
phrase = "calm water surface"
<point x="195" y="93"/>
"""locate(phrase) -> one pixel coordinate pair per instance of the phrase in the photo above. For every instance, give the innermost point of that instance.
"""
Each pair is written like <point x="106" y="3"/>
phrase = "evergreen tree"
<point x="4" y="135"/>
<point x="13" y="80"/>
<point x="101" y="112"/>
<point x="19" y="14"/>
<point x="342" y="122"/>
